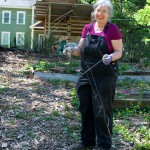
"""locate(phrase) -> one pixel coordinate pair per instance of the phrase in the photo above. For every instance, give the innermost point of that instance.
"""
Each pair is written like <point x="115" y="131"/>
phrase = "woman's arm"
<point x="77" y="50"/>
<point x="117" y="46"/>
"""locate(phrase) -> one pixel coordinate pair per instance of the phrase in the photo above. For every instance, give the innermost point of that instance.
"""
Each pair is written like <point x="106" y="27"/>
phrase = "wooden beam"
<point x="49" y="19"/>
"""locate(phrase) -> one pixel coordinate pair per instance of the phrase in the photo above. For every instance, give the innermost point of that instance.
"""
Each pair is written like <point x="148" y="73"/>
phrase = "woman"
<point x="100" y="47"/>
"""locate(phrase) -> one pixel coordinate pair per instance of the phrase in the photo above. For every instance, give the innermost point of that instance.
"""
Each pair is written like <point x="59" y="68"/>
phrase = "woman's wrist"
<point x="76" y="51"/>
<point x="72" y="50"/>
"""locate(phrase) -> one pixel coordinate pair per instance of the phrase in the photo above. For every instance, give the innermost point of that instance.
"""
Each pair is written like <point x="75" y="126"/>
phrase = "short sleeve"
<point x="116" y="33"/>
<point x="85" y="30"/>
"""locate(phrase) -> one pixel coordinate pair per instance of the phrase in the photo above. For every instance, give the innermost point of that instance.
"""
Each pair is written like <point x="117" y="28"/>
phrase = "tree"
<point x="142" y="16"/>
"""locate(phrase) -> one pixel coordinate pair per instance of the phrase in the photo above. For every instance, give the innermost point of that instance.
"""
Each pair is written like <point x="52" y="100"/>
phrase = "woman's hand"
<point x="107" y="59"/>
<point x="68" y="51"/>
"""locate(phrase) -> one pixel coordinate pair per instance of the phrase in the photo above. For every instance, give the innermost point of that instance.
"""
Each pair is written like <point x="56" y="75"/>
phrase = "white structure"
<point x="17" y="3"/>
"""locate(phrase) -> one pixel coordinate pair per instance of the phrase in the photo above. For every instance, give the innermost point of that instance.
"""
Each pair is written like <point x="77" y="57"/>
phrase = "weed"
<point x="21" y="115"/>
<point x="55" y="113"/>
<point x="31" y="134"/>
<point x="3" y="89"/>
<point x="49" y="118"/>
<point x="124" y="125"/>
<point x="11" y="122"/>
<point x="72" y="131"/>
<point x="123" y="68"/>
<point x="74" y="101"/>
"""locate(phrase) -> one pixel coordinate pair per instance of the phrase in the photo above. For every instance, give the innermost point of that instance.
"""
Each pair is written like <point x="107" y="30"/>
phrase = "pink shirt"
<point x="113" y="33"/>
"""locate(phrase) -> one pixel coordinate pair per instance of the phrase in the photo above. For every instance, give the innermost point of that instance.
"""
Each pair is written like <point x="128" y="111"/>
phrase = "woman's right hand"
<point x="68" y="51"/>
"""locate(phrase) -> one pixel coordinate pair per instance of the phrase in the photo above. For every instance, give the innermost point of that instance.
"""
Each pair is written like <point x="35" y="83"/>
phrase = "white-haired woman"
<point x="100" y="47"/>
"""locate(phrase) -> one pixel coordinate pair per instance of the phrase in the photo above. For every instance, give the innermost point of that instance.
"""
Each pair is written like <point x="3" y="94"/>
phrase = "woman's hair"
<point x="104" y="3"/>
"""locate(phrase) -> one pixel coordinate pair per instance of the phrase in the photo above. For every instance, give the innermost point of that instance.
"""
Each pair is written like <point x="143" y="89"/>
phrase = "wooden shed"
<point x="63" y="17"/>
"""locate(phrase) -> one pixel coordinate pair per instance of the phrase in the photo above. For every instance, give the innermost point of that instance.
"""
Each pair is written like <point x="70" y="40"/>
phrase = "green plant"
<point x="21" y="115"/>
<point x="49" y="118"/>
<point x="131" y="131"/>
<point x="74" y="101"/>
<point x="69" y="70"/>
<point x="31" y="134"/>
<point x="132" y="88"/>
<point x="55" y="113"/>
<point x="71" y="131"/>
<point x="123" y="67"/>
<point x="3" y="89"/>
<point x="48" y="43"/>
<point x="145" y="62"/>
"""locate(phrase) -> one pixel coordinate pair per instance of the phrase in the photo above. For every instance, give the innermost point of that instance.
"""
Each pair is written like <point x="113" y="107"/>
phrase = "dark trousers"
<point x="96" y="100"/>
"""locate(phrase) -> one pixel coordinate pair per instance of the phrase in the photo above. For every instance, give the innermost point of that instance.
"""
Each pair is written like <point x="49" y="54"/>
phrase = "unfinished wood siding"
<point x="64" y="18"/>
<point x="73" y="26"/>
<point x="77" y="25"/>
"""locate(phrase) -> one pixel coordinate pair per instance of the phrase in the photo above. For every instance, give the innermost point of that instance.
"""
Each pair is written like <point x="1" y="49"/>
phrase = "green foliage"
<point x="129" y="88"/>
<point x="48" y="43"/>
<point x="3" y="89"/>
<point x="131" y="130"/>
<point x="135" y="47"/>
<point x="43" y="65"/>
<point x="87" y="1"/>
<point x="49" y="118"/>
<point x="31" y="134"/>
<point x="129" y="83"/>
<point x="74" y="101"/>
<point x="21" y="115"/>
<point x="55" y="113"/>
<point x="145" y="62"/>
<point x="142" y="16"/>
<point x="123" y="68"/>
<point x="71" y="131"/>
<point x="70" y="70"/>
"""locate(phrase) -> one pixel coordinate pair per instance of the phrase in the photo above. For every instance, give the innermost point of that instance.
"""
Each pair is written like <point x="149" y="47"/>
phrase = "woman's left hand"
<point x="107" y="59"/>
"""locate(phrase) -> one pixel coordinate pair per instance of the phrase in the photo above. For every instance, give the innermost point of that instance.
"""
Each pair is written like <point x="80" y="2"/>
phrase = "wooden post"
<point x="69" y="27"/>
<point x="49" y="20"/>
<point x="45" y="30"/>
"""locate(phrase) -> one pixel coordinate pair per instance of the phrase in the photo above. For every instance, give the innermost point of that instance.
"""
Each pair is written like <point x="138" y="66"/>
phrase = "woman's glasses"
<point x="102" y="11"/>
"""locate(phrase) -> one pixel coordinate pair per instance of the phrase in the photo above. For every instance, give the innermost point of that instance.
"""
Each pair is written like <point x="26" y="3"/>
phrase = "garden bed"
<point x="39" y="114"/>
<point x="124" y="103"/>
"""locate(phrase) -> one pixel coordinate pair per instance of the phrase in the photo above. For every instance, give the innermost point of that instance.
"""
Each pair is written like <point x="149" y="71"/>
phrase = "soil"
<point x="36" y="114"/>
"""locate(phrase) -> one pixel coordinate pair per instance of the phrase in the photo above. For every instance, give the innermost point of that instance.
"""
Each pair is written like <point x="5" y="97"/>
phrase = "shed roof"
<point x="59" y="9"/>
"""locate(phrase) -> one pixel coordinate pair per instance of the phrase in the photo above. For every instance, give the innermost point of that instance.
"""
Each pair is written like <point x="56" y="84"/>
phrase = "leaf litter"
<point x="36" y="114"/>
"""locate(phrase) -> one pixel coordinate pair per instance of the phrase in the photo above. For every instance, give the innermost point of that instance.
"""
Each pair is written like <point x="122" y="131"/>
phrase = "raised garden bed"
<point x="123" y="103"/>
<point x="138" y="72"/>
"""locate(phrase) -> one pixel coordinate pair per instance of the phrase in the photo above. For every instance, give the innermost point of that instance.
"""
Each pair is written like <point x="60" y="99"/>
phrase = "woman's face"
<point x="101" y="14"/>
